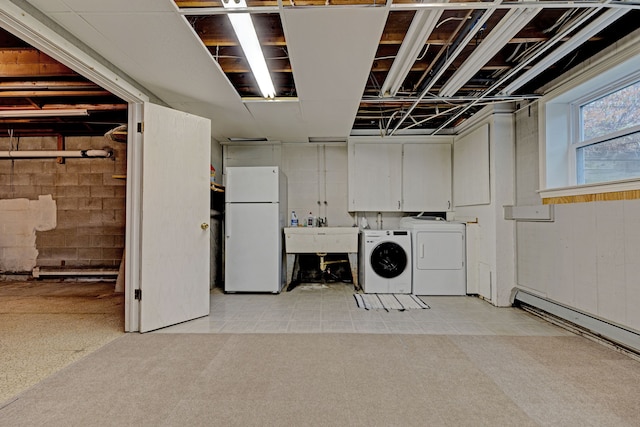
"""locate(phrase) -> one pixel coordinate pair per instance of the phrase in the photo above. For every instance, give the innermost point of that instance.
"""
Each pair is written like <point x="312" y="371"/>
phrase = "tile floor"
<point x="331" y="308"/>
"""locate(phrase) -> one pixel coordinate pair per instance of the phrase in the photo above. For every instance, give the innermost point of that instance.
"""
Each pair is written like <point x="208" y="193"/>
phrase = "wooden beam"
<point x="61" y="144"/>
<point x="239" y="65"/>
<point x="30" y="63"/>
<point x="50" y="93"/>
<point x="88" y="107"/>
<point x="37" y="84"/>
<point x="212" y="41"/>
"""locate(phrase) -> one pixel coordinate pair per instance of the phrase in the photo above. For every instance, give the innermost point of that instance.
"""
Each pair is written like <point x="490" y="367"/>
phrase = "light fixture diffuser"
<point x="246" y="33"/>
<point x="506" y="29"/>
<point x="44" y="113"/>
<point x="422" y="25"/>
<point x="603" y="21"/>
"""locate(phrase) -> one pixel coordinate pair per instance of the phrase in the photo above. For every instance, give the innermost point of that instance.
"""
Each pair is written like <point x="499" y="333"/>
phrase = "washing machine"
<point x="385" y="261"/>
<point x="439" y="256"/>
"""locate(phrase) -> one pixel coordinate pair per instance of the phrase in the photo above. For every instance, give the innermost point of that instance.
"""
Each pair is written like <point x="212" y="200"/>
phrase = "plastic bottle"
<point x="294" y="219"/>
<point x="310" y="220"/>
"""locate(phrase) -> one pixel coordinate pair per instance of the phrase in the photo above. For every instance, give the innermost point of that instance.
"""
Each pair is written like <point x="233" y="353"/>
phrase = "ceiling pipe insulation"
<point x="39" y="154"/>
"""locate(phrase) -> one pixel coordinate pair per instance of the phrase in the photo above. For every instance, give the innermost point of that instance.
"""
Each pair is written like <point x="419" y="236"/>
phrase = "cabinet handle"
<point x="448" y="204"/>
<point x="398" y="204"/>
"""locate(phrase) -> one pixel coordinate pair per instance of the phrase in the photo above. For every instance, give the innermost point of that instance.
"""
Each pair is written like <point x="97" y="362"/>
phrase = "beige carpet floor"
<point x="337" y="380"/>
<point x="46" y="325"/>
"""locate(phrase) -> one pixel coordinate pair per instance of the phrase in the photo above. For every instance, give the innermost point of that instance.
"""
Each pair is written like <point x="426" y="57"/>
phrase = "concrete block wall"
<point x="90" y="202"/>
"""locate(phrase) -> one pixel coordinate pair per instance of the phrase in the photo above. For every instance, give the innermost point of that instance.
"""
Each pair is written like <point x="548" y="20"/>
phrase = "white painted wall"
<point x="589" y="257"/>
<point x="311" y="167"/>
<point x="19" y="221"/>
<point x="316" y="173"/>
<point x="491" y="263"/>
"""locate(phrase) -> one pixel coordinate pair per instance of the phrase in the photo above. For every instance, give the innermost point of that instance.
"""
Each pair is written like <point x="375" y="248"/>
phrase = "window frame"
<point x="559" y="127"/>
<point x="577" y="125"/>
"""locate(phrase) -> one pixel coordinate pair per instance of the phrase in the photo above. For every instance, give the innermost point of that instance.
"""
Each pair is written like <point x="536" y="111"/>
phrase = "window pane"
<point x="611" y="160"/>
<point x="611" y="113"/>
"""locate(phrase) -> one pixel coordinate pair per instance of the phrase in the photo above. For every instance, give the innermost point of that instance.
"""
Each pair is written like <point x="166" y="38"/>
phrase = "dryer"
<point x="385" y="261"/>
<point x="439" y="260"/>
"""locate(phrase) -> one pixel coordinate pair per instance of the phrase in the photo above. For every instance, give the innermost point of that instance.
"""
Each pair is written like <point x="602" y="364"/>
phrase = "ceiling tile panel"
<point x="331" y="50"/>
<point x="279" y="120"/>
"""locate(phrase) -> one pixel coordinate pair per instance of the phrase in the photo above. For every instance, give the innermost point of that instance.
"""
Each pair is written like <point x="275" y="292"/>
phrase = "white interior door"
<point x="175" y="202"/>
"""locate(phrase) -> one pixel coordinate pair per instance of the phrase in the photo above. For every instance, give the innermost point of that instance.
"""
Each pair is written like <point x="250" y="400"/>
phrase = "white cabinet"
<point x="317" y="177"/>
<point x="426" y="177"/>
<point x="375" y="177"/>
<point x="392" y="177"/>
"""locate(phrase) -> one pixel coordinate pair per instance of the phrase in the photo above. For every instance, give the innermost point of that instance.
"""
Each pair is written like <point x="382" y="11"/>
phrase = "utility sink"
<point x="321" y="239"/>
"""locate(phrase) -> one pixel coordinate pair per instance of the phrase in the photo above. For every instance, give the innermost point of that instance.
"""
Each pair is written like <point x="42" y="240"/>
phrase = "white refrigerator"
<point x="255" y="215"/>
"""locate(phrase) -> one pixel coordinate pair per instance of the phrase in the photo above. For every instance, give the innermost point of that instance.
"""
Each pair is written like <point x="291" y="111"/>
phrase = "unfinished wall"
<point x="19" y="221"/>
<point x="90" y="201"/>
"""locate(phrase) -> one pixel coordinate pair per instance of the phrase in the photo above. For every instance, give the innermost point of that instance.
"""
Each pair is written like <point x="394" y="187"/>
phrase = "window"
<point x="589" y="126"/>
<point x="608" y="146"/>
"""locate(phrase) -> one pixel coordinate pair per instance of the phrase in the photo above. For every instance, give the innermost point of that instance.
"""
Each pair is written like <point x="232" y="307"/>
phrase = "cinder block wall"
<point x="90" y="201"/>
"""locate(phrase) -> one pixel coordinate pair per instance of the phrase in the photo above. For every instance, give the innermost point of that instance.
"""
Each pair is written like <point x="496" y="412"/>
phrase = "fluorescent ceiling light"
<point x="44" y="113"/>
<point x="506" y="29"/>
<point x="239" y="139"/>
<point x="565" y="48"/>
<point x="246" y="33"/>
<point x="422" y="25"/>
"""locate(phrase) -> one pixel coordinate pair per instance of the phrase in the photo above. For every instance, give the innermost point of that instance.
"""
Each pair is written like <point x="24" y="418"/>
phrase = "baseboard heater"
<point x="585" y="324"/>
<point x="39" y="272"/>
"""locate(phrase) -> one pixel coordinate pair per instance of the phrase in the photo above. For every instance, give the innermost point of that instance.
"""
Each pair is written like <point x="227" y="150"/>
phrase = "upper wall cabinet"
<point x="393" y="177"/>
<point x="376" y="177"/>
<point x="426" y="177"/>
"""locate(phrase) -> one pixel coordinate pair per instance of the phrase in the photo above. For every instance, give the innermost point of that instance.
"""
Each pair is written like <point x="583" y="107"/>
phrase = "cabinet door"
<point x="376" y="183"/>
<point x="335" y="181"/>
<point x="426" y="177"/>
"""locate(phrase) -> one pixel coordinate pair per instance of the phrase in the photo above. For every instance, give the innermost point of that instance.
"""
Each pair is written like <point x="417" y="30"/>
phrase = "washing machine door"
<point x="388" y="260"/>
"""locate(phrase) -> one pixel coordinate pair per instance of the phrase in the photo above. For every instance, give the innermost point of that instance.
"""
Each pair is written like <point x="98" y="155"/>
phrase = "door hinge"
<point x="140" y="127"/>
<point x="137" y="294"/>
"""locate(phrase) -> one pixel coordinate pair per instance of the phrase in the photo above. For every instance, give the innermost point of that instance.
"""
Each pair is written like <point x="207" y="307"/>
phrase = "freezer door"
<point x="253" y="251"/>
<point x="252" y="184"/>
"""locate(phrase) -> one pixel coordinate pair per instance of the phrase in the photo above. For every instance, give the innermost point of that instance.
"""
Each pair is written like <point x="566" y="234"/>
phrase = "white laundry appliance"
<point x="439" y="260"/>
<point x="385" y="262"/>
<point x="255" y="215"/>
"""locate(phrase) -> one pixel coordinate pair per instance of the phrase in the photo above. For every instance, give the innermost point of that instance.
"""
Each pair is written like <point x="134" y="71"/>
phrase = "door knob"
<point x="204" y="225"/>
